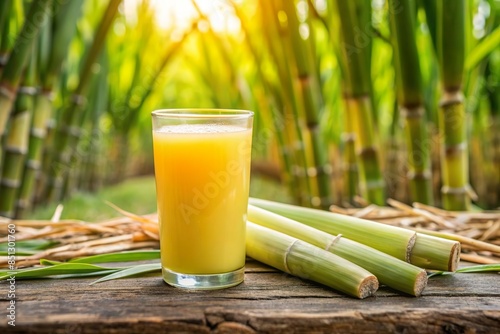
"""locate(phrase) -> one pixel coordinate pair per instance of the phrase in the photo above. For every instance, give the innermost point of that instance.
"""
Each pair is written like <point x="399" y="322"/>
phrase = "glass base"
<point x="203" y="282"/>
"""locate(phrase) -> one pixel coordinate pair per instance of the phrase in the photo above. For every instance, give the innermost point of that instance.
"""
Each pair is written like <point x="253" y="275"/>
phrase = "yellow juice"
<point x="202" y="183"/>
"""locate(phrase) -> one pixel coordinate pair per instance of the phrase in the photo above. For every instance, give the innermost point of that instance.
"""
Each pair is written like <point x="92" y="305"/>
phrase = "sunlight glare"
<point x="179" y="15"/>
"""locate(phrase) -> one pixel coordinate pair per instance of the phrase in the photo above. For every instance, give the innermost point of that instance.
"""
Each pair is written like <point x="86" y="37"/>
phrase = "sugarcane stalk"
<point x="16" y="142"/>
<point x="494" y="102"/>
<point x="53" y="49"/>
<point x="292" y="119"/>
<point x="278" y="114"/>
<point x="452" y="117"/>
<point x="392" y="240"/>
<point x="349" y="165"/>
<point x="411" y="99"/>
<point x="273" y="105"/>
<point x="92" y="173"/>
<point x="367" y="153"/>
<point x="67" y="132"/>
<point x="355" y="58"/>
<point x="396" y="185"/>
<point x="435" y="253"/>
<point x="18" y="59"/>
<point x="63" y="32"/>
<point x="306" y="261"/>
<point x="312" y="103"/>
<point x="42" y="108"/>
<point x="438" y="253"/>
<point x="389" y="270"/>
<point x="74" y="153"/>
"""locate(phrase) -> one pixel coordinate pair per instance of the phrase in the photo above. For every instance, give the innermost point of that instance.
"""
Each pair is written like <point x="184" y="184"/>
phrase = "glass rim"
<point x="202" y="113"/>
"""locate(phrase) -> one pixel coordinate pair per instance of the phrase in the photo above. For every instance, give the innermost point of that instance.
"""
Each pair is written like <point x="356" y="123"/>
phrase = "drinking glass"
<point x="202" y="172"/>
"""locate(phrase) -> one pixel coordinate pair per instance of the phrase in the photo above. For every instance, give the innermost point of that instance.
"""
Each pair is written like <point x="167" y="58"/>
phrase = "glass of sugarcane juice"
<point x="202" y="171"/>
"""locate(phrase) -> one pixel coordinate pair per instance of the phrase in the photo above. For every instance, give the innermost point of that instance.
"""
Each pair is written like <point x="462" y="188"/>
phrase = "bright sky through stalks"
<point x="178" y="15"/>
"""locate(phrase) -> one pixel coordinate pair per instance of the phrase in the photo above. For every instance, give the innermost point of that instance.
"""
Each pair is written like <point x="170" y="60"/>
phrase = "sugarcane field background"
<point x="387" y="110"/>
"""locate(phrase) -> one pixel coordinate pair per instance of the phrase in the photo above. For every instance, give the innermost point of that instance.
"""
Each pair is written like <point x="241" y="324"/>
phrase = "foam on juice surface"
<point x="199" y="128"/>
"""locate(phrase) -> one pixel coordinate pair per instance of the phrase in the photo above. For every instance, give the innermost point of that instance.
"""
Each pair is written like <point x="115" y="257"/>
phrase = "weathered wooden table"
<point x="267" y="302"/>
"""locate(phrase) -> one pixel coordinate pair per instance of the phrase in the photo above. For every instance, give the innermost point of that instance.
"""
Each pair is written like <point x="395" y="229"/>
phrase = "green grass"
<point x="137" y="195"/>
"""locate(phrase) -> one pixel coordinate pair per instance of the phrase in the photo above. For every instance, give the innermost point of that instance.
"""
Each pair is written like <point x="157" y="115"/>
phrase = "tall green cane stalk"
<point x="312" y="102"/>
<point x="452" y="117"/>
<point x="271" y="103"/>
<point x="18" y="59"/>
<point x="56" y="44"/>
<point x="411" y="99"/>
<point x="354" y="16"/>
<point x="493" y="95"/>
<point x="68" y="129"/>
<point x="349" y="166"/>
<point x="16" y="141"/>
<point x="91" y="171"/>
<point x="291" y="116"/>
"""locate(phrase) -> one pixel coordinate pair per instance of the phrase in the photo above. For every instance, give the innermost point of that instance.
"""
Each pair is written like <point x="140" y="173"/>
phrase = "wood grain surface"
<point x="267" y="302"/>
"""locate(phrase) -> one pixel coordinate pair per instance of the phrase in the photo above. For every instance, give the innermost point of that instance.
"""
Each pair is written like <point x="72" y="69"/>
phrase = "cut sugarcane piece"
<point x="433" y="254"/>
<point x="390" y="271"/>
<point x="392" y="240"/>
<point x="306" y="261"/>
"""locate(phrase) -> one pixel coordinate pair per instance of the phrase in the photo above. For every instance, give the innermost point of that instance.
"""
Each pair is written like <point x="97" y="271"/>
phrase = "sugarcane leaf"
<point x="120" y="257"/>
<point x="46" y="262"/>
<point x="27" y="247"/>
<point x="482" y="268"/>
<point x="58" y="269"/>
<point x="96" y="273"/>
<point x="136" y="270"/>
<point x="439" y="273"/>
<point x="483" y="49"/>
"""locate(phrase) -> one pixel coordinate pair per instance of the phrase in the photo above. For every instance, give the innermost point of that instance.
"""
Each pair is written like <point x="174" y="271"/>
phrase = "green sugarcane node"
<point x="455" y="199"/>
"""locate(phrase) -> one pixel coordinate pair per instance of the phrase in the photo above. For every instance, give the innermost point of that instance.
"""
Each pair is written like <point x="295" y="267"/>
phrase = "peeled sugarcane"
<point x="304" y="260"/>
<point x="355" y="57"/>
<point x="452" y="117"/>
<point x="18" y="59"/>
<point x="431" y="253"/>
<point x="389" y="270"/>
<point x="411" y="100"/>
